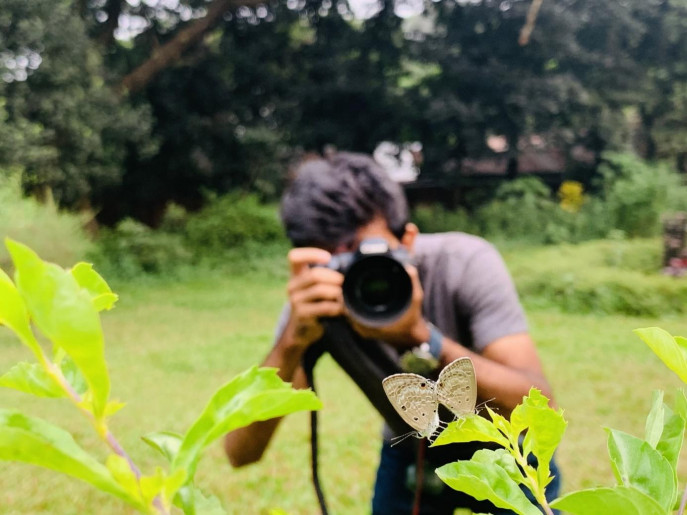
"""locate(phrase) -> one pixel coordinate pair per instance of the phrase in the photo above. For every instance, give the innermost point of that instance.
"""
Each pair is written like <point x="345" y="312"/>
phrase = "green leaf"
<point x="681" y="404"/>
<point x="32" y="440"/>
<point x="15" y="315"/>
<point x="256" y="394"/>
<point x="635" y="463"/>
<point x="97" y="287"/>
<point x="545" y="428"/>
<point x="73" y="375"/>
<point x="654" y="422"/>
<point x="471" y="429"/>
<point x="670" y="442"/>
<point x="151" y="486"/>
<point x="120" y="470"/>
<point x="487" y="481"/>
<point x="31" y="378"/>
<point x="501" y="423"/>
<point x="602" y="501"/>
<point x="503" y="459"/>
<point x="192" y="501"/>
<point x="166" y="443"/>
<point x="667" y="348"/>
<point x="173" y="483"/>
<point x="64" y="312"/>
<point x="113" y="407"/>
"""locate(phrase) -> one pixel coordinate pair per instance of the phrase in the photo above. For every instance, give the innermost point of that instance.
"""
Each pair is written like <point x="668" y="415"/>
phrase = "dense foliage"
<point x="629" y="199"/>
<point x="125" y="106"/>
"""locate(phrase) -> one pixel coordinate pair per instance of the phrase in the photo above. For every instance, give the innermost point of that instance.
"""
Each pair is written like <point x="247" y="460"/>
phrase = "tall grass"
<point x="57" y="236"/>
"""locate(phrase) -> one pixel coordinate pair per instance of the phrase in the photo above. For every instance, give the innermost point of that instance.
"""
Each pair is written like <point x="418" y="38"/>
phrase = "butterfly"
<point x="417" y="399"/>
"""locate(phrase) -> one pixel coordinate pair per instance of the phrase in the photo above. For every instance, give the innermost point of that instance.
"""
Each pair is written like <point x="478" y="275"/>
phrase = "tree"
<point x="68" y="132"/>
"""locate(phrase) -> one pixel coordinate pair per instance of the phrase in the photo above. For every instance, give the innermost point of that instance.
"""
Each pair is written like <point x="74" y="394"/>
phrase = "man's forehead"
<point x="377" y="228"/>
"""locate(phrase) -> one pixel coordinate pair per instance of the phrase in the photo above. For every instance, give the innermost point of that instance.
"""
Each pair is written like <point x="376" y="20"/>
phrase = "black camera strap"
<point x="367" y="363"/>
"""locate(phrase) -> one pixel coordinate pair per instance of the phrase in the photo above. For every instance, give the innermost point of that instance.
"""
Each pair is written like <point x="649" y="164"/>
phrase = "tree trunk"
<point x="171" y="51"/>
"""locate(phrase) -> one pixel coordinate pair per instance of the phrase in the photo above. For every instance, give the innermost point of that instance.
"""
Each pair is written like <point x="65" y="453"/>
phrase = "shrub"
<point x="633" y="196"/>
<point x="436" y="218"/>
<point x="232" y="221"/>
<point x="522" y="209"/>
<point x="59" y="236"/>
<point x="132" y="248"/>
<point x="637" y="193"/>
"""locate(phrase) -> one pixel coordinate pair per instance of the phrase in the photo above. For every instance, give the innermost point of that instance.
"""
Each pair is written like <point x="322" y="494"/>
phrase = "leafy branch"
<point x="497" y="475"/>
<point x="64" y="306"/>
<point x="645" y="468"/>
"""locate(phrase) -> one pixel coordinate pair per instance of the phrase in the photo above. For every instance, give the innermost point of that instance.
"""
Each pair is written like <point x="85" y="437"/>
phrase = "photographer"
<point x="462" y="303"/>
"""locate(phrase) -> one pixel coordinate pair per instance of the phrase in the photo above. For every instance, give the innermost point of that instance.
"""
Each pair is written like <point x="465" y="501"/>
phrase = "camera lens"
<point x="377" y="290"/>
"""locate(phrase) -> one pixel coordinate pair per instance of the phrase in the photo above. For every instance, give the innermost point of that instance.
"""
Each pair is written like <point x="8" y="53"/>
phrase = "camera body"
<point x="377" y="290"/>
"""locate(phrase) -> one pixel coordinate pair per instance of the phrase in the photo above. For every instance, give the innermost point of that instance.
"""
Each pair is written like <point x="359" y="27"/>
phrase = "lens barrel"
<point x="377" y="289"/>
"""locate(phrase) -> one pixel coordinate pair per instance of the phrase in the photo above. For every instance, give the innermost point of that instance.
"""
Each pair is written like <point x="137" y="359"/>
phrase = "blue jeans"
<point x="394" y="492"/>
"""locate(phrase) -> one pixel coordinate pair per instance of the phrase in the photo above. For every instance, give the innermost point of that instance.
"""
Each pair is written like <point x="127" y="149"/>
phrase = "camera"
<point x="377" y="290"/>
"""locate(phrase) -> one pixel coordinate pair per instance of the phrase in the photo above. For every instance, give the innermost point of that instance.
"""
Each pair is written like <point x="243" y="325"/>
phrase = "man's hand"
<point x="409" y="330"/>
<point x="314" y="292"/>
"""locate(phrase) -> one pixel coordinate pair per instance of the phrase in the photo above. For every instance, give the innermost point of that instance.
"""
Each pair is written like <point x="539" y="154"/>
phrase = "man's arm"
<point x="506" y="369"/>
<point x="313" y="293"/>
<point x="246" y="445"/>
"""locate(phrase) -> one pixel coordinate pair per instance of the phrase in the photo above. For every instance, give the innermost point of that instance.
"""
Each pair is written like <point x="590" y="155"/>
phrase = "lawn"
<point x="171" y="343"/>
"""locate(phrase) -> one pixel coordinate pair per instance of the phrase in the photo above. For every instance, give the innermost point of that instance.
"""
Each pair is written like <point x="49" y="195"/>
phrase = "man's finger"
<point x="313" y="276"/>
<point x="302" y="257"/>
<point x="318" y="292"/>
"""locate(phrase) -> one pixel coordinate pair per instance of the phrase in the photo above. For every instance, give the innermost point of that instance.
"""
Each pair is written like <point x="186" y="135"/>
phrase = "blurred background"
<point x="154" y="138"/>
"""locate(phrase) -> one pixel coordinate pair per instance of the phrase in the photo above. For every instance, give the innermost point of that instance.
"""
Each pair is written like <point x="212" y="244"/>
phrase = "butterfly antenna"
<point x="481" y="405"/>
<point x="398" y="439"/>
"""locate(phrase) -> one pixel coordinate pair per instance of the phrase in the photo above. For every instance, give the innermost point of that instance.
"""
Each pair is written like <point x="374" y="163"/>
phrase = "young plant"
<point x="64" y="306"/>
<point x="497" y="475"/>
<point x="645" y="468"/>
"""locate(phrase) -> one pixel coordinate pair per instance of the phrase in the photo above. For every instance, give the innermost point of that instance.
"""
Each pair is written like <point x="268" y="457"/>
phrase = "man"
<point x="463" y="304"/>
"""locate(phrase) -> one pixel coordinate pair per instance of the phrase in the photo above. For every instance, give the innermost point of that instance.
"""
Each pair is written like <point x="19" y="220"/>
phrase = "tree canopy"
<point x="127" y="104"/>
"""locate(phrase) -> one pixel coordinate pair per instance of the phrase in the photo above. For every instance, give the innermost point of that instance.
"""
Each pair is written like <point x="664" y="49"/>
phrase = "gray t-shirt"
<point x="468" y="295"/>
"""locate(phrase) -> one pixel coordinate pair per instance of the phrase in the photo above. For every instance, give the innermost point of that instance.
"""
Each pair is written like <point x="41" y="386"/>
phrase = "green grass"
<point x="171" y="343"/>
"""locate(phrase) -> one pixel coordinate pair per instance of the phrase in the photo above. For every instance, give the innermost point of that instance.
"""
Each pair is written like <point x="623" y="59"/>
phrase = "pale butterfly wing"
<point x="457" y="387"/>
<point x="415" y="399"/>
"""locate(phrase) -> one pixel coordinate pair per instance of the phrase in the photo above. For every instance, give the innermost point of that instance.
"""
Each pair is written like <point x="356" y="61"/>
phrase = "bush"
<point x="232" y="221"/>
<point x="522" y="209"/>
<point x="637" y="193"/>
<point x="436" y="218"/>
<point x="622" y="276"/>
<point x="633" y="197"/>
<point x="58" y="236"/>
<point x="132" y="248"/>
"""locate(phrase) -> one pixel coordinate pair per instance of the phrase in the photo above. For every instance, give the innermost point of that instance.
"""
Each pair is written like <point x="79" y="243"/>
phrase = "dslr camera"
<point x="377" y="290"/>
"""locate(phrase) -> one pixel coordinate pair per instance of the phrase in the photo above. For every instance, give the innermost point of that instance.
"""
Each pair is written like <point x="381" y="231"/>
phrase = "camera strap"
<point x="367" y="363"/>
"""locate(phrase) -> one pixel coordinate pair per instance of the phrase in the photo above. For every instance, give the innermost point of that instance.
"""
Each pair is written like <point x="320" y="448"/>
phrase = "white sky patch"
<point x="364" y="9"/>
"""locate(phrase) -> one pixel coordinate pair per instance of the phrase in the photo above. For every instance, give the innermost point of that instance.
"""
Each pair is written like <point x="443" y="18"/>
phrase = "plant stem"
<point x="100" y="428"/>
<point x="683" y="502"/>
<point x="530" y="481"/>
